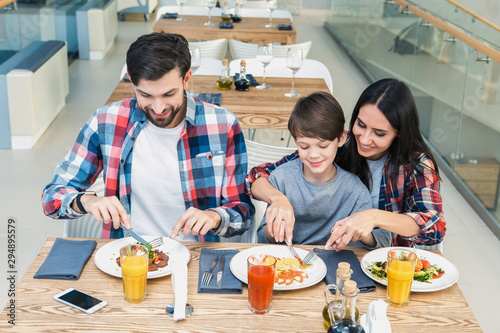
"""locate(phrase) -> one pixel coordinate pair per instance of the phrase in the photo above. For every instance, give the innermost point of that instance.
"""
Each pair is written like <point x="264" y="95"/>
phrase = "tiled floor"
<point x="468" y="244"/>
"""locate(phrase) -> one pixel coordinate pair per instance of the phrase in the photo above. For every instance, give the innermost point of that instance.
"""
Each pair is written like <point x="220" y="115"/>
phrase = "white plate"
<point x="316" y="271"/>
<point x="448" y="279"/>
<point x="105" y="257"/>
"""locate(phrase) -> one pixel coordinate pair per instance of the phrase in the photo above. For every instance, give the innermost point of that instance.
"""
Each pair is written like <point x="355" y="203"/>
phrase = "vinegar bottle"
<point x="224" y="82"/>
<point x="348" y="323"/>
<point x="242" y="84"/>
<point x="344" y="273"/>
<point x="237" y="14"/>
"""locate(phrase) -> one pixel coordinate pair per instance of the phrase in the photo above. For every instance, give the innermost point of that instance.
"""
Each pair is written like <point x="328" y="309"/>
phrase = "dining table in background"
<point x="292" y="310"/>
<point x="257" y="109"/>
<point x="251" y="29"/>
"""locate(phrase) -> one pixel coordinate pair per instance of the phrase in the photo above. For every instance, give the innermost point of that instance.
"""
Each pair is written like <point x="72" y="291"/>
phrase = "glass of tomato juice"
<point x="400" y="267"/>
<point x="261" y="269"/>
<point x="134" y="263"/>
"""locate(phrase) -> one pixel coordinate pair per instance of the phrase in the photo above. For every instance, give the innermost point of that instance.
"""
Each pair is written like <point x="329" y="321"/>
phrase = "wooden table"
<point x="292" y="311"/>
<point x="251" y="29"/>
<point x="268" y="109"/>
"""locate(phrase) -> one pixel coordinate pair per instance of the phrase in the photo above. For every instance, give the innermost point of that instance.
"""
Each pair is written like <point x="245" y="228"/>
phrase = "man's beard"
<point x="161" y="122"/>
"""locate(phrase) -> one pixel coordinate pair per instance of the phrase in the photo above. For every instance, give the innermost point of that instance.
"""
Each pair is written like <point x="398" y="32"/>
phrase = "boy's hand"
<point x="280" y="219"/>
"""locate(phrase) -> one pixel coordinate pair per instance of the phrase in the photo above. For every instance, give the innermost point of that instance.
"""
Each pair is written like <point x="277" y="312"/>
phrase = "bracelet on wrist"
<point x="79" y="201"/>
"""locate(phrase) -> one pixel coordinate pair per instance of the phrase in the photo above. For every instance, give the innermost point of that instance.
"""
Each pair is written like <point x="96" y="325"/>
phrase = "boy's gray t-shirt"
<point x="317" y="207"/>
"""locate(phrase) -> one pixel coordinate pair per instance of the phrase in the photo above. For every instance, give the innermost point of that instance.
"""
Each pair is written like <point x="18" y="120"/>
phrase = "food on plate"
<point x="157" y="259"/>
<point x="424" y="271"/>
<point x="287" y="271"/>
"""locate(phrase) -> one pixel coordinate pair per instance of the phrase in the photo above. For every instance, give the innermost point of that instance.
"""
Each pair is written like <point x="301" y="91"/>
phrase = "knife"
<point x="295" y="255"/>
<point x="135" y="235"/>
<point x="221" y="270"/>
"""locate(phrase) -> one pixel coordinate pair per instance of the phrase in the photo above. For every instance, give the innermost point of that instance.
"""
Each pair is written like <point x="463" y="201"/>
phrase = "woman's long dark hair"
<point x="395" y="100"/>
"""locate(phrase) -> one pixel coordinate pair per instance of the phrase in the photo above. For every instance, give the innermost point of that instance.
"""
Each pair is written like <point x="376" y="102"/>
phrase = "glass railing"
<point x="455" y="86"/>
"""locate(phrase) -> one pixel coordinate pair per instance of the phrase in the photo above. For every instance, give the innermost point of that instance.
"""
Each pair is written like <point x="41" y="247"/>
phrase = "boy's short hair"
<point x="152" y="56"/>
<point x="318" y="115"/>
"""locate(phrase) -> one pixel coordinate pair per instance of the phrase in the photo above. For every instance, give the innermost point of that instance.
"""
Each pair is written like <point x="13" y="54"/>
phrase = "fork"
<point x="207" y="275"/>
<point x="311" y="255"/>
<point x="156" y="242"/>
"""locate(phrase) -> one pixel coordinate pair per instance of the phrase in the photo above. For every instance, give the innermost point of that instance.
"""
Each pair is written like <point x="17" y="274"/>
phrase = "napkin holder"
<point x="375" y="320"/>
<point x="284" y="27"/>
<point x="226" y="25"/>
<point x="170" y="15"/>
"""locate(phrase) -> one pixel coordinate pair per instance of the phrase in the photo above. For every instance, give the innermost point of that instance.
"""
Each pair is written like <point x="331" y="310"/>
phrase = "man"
<point x="176" y="165"/>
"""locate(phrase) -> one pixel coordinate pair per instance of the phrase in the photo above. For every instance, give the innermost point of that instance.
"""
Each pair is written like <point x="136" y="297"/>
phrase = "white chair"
<point x="208" y="67"/>
<point x="86" y="226"/>
<point x="124" y="71"/>
<point x="255" y="12"/>
<point x="277" y="68"/>
<point x="244" y="50"/>
<point x="215" y="49"/>
<point x="187" y="10"/>
<point x="259" y="4"/>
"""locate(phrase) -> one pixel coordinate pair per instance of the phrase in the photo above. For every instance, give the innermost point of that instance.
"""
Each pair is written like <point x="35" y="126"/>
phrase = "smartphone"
<point x="80" y="300"/>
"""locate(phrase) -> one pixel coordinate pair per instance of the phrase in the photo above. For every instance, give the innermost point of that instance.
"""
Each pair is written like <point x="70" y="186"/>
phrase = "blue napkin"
<point x="170" y="15"/>
<point x="253" y="81"/>
<point x="332" y="259"/>
<point x="284" y="27"/>
<point x="66" y="259"/>
<point x="230" y="284"/>
<point x="210" y="98"/>
<point x="225" y="25"/>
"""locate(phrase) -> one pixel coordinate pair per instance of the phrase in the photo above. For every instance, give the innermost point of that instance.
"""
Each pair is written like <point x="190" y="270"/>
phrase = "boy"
<point x="319" y="191"/>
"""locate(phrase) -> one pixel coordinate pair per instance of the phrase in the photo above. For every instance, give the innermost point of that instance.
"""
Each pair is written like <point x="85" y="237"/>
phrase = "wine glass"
<point x="181" y="3"/>
<point x="294" y="60"/>
<point x="195" y="64"/>
<point x="264" y="55"/>
<point x="209" y="4"/>
<point x="271" y="6"/>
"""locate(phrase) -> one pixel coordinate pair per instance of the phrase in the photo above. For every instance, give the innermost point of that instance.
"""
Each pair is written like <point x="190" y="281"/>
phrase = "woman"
<point x="387" y="152"/>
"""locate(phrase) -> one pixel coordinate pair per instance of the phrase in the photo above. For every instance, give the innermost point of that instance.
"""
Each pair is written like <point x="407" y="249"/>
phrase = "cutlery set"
<point x="207" y="275"/>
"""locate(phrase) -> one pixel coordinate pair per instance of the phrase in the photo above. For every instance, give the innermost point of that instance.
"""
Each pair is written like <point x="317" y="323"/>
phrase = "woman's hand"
<point x="358" y="226"/>
<point x="280" y="219"/>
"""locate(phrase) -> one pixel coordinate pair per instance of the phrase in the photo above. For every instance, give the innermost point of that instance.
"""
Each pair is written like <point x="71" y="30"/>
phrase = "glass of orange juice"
<point x="261" y="269"/>
<point x="400" y="267"/>
<point x="134" y="263"/>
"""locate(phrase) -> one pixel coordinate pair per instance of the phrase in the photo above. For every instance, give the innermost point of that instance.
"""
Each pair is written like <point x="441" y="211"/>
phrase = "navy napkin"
<point x="284" y="27"/>
<point x="210" y="98"/>
<point x="170" y="15"/>
<point x="332" y="259"/>
<point x="66" y="259"/>
<point x="126" y="78"/>
<point x="230" y="284"/>
<point x="225" y="25"/>
<point x="253" y="81"/>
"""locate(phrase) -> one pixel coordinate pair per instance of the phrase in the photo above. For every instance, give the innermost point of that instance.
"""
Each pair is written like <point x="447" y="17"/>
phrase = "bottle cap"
<point x="224" y="62"/>
<point x="350" y="286"/>
<point x="343" y="268"/>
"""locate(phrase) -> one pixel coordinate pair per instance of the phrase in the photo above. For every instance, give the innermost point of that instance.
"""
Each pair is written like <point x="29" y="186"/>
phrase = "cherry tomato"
<point x="438" y="276"/>
<point x="426" y="264"/>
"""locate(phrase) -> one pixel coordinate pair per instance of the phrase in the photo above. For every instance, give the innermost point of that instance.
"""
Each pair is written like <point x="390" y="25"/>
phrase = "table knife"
<point x="221" y="270"/>
<point x="135" y="235"/>
<point x="295" y="255"/>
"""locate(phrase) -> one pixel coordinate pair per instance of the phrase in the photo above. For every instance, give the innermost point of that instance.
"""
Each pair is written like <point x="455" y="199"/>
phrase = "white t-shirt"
<point x="157" y="201"/>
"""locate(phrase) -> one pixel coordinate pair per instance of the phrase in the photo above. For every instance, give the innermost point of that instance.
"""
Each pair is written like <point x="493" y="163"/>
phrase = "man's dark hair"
<point x="318" y="115"/>
<point x="152" y="56"/>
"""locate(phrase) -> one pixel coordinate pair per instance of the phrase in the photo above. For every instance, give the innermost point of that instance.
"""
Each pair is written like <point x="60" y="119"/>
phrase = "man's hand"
<point x="196" y="221"/>
<point x="105" y="209"/>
